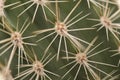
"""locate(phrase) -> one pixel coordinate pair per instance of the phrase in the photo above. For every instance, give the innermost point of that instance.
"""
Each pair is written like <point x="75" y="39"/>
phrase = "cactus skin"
<point x="87" y="34"/>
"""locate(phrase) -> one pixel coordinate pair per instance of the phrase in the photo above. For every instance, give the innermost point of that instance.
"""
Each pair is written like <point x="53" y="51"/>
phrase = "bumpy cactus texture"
<point x="59" y="39"/>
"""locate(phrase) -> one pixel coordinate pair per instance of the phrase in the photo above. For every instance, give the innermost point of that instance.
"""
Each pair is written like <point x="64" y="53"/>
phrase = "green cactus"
<point x="59" y="40"/>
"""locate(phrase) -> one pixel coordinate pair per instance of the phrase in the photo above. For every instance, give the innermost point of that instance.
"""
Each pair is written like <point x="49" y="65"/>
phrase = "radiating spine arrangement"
<point x="70" y="44"/>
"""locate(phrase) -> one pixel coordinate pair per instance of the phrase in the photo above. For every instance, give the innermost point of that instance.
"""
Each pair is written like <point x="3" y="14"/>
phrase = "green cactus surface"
<point x="59" y="39"/>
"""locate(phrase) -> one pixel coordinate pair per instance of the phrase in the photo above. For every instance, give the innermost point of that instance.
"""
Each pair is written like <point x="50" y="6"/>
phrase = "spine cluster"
<point x="80" y="56"/>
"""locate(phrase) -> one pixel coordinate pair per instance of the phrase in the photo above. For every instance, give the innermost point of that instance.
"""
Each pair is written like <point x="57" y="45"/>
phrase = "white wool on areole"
<point x="2" y="7"/>
<point x="4" y="76"/>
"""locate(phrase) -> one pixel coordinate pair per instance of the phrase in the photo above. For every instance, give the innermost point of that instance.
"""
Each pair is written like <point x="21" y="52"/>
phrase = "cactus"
<point x="59" y="40"/>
